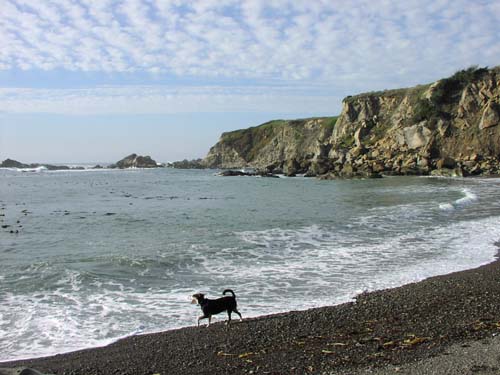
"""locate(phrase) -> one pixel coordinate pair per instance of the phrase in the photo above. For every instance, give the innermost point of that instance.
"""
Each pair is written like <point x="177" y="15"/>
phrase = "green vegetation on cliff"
<point x="270" y="143"/>
<point x="446" y="94"/>
<point x="411" y="92"/>
<point x="448" y="90"/>
<point x="249" y="141"/>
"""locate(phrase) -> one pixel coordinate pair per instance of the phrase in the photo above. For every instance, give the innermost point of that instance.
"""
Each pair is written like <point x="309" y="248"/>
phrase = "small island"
<point x="10" y="163"/>
<point x="135" y="161"/>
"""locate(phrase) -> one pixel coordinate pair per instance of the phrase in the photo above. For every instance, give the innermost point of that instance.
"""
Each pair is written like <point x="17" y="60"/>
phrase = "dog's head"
<point x="197" y="298"/>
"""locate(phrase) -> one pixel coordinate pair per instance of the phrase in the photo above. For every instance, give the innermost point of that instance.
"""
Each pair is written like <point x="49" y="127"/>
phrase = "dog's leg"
<point x="237" y="312"/>
<point x="209" y="320"/>
<point x="203" y="317"/>
<point x="228" y="317"/>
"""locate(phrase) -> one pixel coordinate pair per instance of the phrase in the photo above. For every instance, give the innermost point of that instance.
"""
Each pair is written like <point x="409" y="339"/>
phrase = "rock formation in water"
<point x="450" y="127"/>
<point x="135" y="161"/>
<point x="10" y="163"/>
<point x="187" y="164"/>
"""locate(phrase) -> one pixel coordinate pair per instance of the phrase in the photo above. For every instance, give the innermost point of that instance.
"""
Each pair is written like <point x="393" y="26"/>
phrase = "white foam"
<point x="70" y="318"/>
<point x="73" y="169"/>
<point x="271" y="271"/>
<point x="446" y="206"/>
<point x="468" y="198"/>
<point x="31" y="170"/>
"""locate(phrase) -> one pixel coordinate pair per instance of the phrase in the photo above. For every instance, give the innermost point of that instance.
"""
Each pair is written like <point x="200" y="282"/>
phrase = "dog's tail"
<point x="229" y="291"/>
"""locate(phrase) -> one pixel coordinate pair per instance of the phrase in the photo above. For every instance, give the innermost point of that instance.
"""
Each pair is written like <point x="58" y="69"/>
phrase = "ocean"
<point x="88" y="257"/>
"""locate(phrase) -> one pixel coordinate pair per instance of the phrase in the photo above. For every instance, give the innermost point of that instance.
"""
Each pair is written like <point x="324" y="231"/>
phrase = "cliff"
<point x="279" y="146"/>
<point x="450" y="127"/>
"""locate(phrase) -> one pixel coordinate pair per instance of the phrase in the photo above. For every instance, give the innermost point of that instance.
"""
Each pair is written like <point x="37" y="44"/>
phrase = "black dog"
<point x="215" y="306"/>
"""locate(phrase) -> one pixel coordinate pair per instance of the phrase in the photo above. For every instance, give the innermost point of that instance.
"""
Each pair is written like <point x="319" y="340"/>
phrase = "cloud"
<point x="270" y="55"/>
<point x="255" y="39"/>
<point x="167" y="100"/>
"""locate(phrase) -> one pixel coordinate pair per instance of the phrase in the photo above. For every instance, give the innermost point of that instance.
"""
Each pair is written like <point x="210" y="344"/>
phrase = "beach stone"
<point x="20" y="371"/>
<point x="378" y="167"/>
<point x="447" y="172"/>
<point x="347" y="170"/>
<point x="291" y="168"/>
<point x="423" y="162"/>
<point x="446" y="162"/>
<point x="476" y="170"/>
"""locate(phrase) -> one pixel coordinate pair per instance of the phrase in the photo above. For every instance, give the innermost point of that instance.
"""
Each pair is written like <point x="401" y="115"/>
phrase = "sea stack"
<point x="135" y="161"/>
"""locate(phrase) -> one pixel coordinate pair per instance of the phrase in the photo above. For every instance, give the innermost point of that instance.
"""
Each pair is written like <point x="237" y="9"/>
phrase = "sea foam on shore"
<point x="98" y="257"/>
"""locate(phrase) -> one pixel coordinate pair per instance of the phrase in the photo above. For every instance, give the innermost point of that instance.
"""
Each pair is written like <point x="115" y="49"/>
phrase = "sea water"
<point x="97" y="255"/>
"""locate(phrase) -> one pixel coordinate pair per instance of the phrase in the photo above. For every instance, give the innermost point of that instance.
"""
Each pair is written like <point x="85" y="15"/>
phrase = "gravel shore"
<point x="443" y="325"/>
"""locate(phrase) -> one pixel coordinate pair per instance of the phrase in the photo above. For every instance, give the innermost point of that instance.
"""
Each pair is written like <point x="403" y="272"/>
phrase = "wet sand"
<point x="443" y="325"/>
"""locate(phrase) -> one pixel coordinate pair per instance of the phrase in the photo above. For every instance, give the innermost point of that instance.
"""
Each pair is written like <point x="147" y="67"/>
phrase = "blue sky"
<point x="95" y="80"/>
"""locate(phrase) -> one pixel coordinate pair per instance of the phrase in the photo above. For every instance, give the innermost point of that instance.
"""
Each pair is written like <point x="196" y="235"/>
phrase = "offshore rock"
<point x="232" y="173"/>
<point x="10" y="163"/>
<point x="135" y="161"/>
<point x="187" y="164"/>
<point x="237" y="173"/>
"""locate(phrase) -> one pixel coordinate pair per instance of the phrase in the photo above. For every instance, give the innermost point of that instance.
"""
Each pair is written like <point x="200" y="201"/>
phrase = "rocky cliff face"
<point x="279" y="146"/>
<point x="450" y="127"/>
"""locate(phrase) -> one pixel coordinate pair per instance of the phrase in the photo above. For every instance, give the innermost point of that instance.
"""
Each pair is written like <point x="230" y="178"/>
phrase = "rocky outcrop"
<point x="187" y="164"/>
<point x="239" y="173"/>
<point x="10" y="163"/>
<point x="135" y="161"/>
<point x="450" y="127"/>
<point x="280" y="146"/>
<point x="131" y="161"/>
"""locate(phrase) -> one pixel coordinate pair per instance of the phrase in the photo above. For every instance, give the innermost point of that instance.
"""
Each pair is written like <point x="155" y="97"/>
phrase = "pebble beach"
<point x="442" y="325"/>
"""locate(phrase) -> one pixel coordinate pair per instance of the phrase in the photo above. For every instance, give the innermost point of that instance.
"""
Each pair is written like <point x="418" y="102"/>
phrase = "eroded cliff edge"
<point x="450" y="127"/>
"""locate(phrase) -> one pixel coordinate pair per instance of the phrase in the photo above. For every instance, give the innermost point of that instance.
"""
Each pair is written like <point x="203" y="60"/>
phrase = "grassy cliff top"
<point x="450" y="84"/>
<point x="250" y="141"/>
<point x="407" y="91"/>
<point x="273" y="125"/>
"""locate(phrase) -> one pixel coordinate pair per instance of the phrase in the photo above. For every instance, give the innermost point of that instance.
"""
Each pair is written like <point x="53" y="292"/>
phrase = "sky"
<point x="95" y="80"/>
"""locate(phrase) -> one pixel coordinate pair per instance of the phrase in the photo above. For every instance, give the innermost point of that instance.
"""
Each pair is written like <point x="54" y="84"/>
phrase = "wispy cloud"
<point x="253" y="39"/>
<point x="165" y="100"/>
<point x="346" y="46"/>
